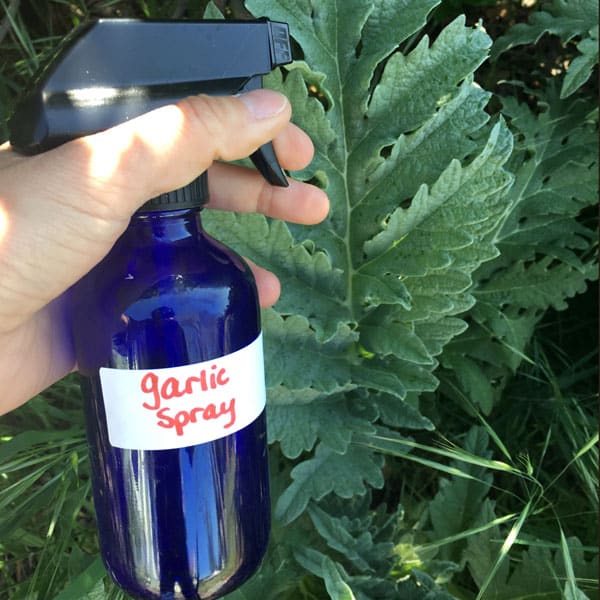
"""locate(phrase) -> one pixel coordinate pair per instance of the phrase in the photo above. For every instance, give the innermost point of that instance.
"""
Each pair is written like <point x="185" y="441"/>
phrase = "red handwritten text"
<point x="173" y="388"/>
<point x="205" y="381"/>
<point x="183" y="417"/>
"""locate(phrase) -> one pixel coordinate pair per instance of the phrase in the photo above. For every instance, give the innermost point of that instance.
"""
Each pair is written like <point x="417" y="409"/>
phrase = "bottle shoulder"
<point x="138" y="269"/>
<point x="188" y="300"/>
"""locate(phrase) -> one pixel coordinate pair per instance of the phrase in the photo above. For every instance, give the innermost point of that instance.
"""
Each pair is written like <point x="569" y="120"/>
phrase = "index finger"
<point x="239" y="189"/>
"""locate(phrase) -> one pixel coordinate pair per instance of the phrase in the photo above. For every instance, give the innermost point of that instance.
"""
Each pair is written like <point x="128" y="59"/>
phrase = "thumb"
<point x="167" y="148"/>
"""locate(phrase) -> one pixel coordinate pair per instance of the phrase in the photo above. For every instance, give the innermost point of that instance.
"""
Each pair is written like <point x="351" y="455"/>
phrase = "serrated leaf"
<point x="298" y="427"/>
<point x="371" y="291"/>
<point x="472" y="380"/>
<point x="436" y="334"/>
<point x="402" y="221"/>
<point x="212" y="12"/>
<point x="396" y="339"/>
<point x="566" y="19"/>
<point x="401" y="413"/>
<point x="310" y="559"/>
<point x="352" y="539"/>
<point x="546" y="250"/>
<point x="539" y="285"/>
<point x="313" y="286"/>
<point x="321" y="368"/>
<point x="537" y="572"/>
<point x="481" y="553"/>
<point x="448" y="108"/>
<point x="344" y="474"/>
<point x="377" y="375"/>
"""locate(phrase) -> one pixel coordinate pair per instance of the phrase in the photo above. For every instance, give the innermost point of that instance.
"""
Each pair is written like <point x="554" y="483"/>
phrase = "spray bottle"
<point x="167" y="327"/>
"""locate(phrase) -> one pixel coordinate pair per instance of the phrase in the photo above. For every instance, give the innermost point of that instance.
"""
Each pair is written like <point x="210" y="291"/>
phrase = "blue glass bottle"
<point x="183" y="523"/>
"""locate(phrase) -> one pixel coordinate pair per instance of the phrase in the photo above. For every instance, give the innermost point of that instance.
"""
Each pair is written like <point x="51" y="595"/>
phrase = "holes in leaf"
<point x="469" y="158"/>
<point x="546" y="179"/>
<point x="386" y="151"/>
<point x="315" y="91"/>
<point x="564" y="141"/>
<point x="377" y="73"/>
<point x="319" y="179"/>
<point x="554" y="263"/>
<point x="358" y="49"/>
<point x="297" y="52"/>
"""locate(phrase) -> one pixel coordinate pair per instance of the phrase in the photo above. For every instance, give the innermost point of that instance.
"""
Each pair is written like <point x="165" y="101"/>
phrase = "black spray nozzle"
<point x="112" y="70"/>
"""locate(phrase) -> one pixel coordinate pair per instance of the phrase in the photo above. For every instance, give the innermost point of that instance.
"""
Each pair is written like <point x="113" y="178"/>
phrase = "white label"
<point x="159" y="409"/>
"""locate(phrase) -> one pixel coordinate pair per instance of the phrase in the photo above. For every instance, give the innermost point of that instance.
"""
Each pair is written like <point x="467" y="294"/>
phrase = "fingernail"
<point x="263" y="104"/>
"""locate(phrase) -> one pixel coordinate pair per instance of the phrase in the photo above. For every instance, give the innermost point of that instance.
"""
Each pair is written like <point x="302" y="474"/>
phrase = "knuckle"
<point x="206" y="118"/>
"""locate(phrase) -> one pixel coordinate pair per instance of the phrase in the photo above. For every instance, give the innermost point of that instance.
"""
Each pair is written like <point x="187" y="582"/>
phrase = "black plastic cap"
<point x="193" y="195"/>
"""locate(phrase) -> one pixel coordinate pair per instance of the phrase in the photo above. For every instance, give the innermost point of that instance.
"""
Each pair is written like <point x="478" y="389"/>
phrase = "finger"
<point x="267" y="284"/>
<point x="244" y="190"/>
<point x="293" y="148"/>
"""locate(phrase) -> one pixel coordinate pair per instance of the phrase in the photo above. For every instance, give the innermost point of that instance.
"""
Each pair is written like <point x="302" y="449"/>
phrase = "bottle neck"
<point x="167" y="225"/>
<point x="192" y="195"/>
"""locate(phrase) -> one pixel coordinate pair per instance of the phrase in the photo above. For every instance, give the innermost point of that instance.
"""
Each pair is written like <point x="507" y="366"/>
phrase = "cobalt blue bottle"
<point x="167" y="326"/>
<point x="187" y="521"/>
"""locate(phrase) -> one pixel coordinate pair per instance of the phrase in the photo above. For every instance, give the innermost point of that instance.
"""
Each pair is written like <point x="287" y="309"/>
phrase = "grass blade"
<point x="392" y="445"/>
<point x="464" y="534"/>
<point x="571" y="592"/>
<point x="506" y="546"/>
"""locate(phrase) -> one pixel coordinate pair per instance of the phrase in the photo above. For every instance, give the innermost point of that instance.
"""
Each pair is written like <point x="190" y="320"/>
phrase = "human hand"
<point x="62" y="211"/>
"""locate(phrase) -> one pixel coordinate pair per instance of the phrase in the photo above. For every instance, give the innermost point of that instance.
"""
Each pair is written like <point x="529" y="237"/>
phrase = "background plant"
<point x="432" y="419"/>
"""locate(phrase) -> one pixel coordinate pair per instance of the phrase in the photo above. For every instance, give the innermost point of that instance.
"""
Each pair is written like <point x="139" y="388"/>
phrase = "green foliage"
<point x="569" y="20"/>
<point x="542" y="570"/>
<point x="426" y="301"/>
<point x="547" y="254"/>
<point x="46" y="475"/>
<point x="381" y="280"/>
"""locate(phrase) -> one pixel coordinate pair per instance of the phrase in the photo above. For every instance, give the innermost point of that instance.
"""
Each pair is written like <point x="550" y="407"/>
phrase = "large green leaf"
<point x="414" y="172"/>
